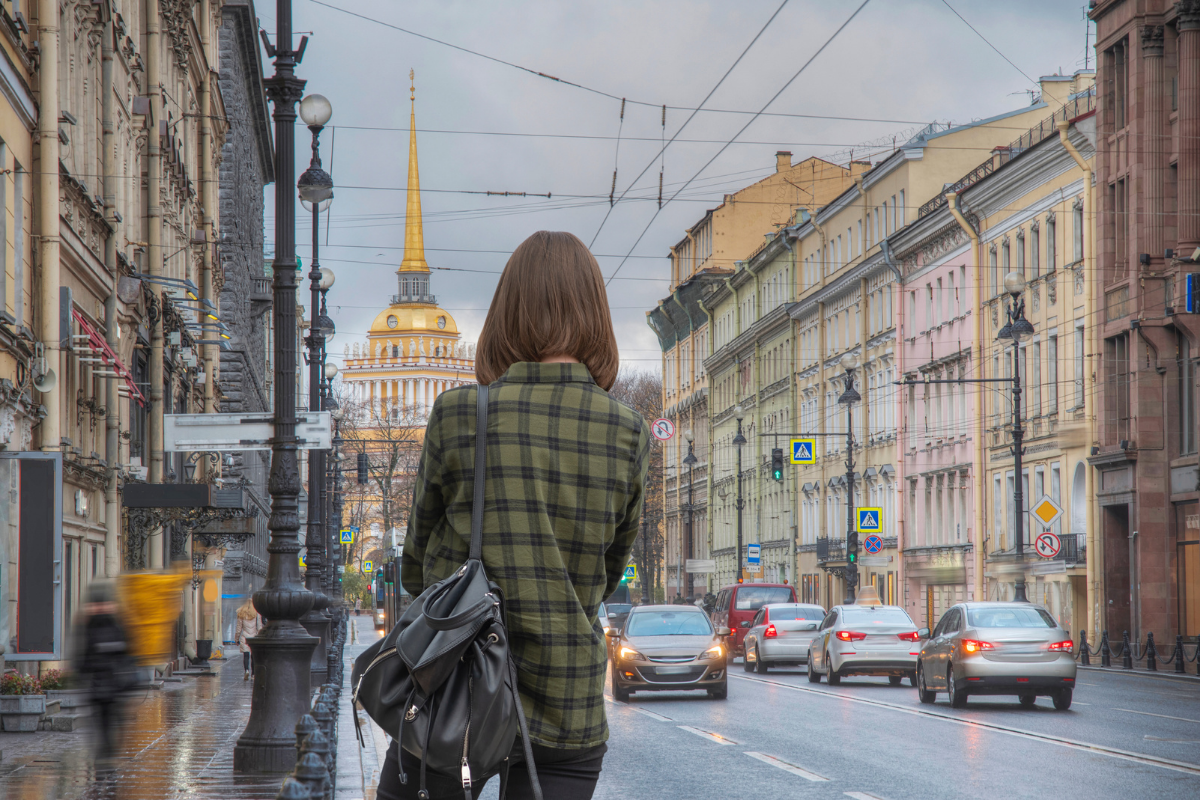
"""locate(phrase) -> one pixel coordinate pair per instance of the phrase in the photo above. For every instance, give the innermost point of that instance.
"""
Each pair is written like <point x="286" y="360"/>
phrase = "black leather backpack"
<point x="442" y="682"/>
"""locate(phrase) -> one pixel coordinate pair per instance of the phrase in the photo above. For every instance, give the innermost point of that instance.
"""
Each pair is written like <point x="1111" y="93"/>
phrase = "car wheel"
<point x="923" y="693"/>
<point x="759" y="664"/>
<point x="746" y="664"/>
<point x="1062" y="699"/>
<point x="618" y="692"/>
<point x="894" y="680"/>
<point x="834" y="677"/>
<point x="813" y="675"/>
<point x="958" y="696"/>
<point x="1028" y="700"/>
<point x="912" y="678"/>
<point x="720" y="693"/>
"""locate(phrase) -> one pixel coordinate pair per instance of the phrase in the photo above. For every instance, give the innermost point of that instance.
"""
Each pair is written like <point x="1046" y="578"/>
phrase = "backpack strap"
<point x="481" y="410"/>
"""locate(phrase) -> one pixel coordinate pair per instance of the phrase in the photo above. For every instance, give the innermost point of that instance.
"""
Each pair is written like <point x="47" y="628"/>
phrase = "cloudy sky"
<point x="485" y="126"/>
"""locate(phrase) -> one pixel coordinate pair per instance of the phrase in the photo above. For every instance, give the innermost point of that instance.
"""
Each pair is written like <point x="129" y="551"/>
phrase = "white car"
<point x="865" y="640"/>
<point x="779" y="635"/>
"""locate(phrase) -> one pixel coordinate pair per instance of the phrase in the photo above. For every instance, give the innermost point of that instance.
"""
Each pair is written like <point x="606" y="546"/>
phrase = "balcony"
<point x="426" y="299"/>
<point x="831" y="550"/>
<point x="1074" y="548"/>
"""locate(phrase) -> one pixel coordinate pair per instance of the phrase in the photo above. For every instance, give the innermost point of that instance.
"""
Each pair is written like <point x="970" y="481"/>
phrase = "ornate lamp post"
<point x="283" y="650"/>
<point x="739" y="441"/>
<point x="849" y="397"/>
<point x="1017" y="330"/>
<point x="690" y="460"/>
<point x="316" y="192"/>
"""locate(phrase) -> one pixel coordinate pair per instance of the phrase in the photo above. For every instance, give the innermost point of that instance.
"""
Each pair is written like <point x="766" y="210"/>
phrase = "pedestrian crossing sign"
<point x="870" y="520"/>
<point x="348" y="536"/>
<point x="804" y="451"/>
<point x="630" y="572"/>
<point x="368" y="567"/>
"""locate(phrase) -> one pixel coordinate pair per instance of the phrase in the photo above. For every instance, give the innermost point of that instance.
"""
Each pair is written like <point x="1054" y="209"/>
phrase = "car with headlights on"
<point x="668" y="648"/>
<point x="997" y="649"/>
<point x="779" y="636"/>
<point x="864" y="639"/>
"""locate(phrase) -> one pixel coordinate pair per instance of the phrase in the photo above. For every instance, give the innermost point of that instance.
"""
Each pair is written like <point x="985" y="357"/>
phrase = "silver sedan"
<point x="997" y="649"/>
<point x="779" y="635"/>
<point x="864" y="640"/>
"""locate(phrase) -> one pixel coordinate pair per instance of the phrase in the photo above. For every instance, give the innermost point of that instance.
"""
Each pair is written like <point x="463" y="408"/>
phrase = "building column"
<point x="1155" y="145"/>
<point x="1188" y="25"/>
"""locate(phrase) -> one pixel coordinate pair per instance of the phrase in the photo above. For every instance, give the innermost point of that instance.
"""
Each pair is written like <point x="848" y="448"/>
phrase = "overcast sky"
<point x="902" y="62"/>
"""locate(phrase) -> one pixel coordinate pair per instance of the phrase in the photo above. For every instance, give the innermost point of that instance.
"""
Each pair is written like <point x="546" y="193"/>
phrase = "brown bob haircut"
<point x="550" y="302"/>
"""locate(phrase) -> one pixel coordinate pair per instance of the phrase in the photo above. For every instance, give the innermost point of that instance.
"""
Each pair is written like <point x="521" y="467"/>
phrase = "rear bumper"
<point x="892" y="665"/>
<point x="1013" y="685"/>
<point x="783" y="650"/>
<point x="968" y="668"/>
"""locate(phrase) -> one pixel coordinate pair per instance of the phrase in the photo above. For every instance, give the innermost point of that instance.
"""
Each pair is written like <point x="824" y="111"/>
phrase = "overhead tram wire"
<point x="750" y="122"/>
<point x="989" y="44"/>
<point x="692" y="116"/>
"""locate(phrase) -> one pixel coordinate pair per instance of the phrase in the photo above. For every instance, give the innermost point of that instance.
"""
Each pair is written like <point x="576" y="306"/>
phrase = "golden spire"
<point x="414" y="234"/>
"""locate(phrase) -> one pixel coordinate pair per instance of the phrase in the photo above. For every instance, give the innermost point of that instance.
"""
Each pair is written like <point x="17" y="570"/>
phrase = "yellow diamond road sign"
<point x="1046" y="511"/>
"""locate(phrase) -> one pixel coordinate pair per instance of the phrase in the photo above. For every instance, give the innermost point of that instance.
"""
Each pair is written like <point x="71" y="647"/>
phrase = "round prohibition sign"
<point x="1047" y="544"/>
<point x="663" y="429"/>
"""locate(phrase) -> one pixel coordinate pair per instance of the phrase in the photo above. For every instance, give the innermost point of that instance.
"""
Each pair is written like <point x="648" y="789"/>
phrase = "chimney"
<point x="783" y="160"/>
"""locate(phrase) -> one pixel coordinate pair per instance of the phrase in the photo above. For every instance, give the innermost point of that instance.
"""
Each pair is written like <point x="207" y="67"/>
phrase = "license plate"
<point x="672" y="670"/>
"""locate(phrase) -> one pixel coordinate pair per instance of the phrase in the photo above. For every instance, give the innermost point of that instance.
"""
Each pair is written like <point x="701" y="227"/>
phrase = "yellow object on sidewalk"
<point x="150" y="605"/>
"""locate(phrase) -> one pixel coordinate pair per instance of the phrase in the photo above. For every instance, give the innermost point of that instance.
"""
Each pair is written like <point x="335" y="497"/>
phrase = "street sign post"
<point x="663" y="429"/>
<point x="753" y="558"/>
<point x="1047" y="544"/>
<point x="870" y="520"/>
<point x="1046" y="511"/>
<point x="804" y="451"/>
<point x="221" y="432"/>
<point x="700" y="566"/>
<point x="872" y="544"/>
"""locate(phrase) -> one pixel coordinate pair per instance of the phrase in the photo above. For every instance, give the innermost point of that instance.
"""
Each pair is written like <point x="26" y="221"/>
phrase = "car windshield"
<point x="668" y="623"/>
<point x="865" y="615"/>
<point x="1014" y="617"/>
<point x="777" y="613"/>
<point x="752" y="598"/>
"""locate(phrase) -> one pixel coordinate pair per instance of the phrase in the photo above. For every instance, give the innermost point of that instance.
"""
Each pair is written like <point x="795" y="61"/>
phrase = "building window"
<point x="1118" y="379"/>
<point x="1120" y="198"/>
<point x="1119" y="82"/>
<point x="1187" y="398"/>
<point x="995" y="271"/>
<point x="1052" y="373"/>
<point x="1035" y="255"/>
<point x="1077" y="232"/>
<point x="1005" y="258"/>
<point x="1051" y="244"/>
<point x="1021" y="252"/>
<point x="998" y="539"/>
<point x="1034" y="362"/>
<point x="1079" y="364"/>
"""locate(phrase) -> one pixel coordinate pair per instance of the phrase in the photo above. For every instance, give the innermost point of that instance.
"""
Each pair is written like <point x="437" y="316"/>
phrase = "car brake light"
<point x="911" y="636"/>
<point x="851" y="636"/>
<point x="972" y="646"/>
<point x="770" y="632"/>
<point x="1066" y="646"/>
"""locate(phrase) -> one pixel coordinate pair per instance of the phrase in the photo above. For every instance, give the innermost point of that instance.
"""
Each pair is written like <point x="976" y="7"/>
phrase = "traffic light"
<point x="852" y="541"/>
<point x="362" y="469"/>
<point x="777" y="464"/>
<point x="389" y="572"/>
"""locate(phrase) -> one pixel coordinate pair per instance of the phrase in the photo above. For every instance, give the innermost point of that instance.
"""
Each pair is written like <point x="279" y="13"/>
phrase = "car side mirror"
<point x="923" y="633"/>
<point x="723" y="631"/>
<point x="744" y="624"/>
<point x="612" y="633"/>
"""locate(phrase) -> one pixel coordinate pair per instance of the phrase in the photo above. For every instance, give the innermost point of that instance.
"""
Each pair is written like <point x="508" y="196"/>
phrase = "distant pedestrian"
<point x="105" y="665"/>
<point x="249" y="623"/>
<point x="357" y="606"/>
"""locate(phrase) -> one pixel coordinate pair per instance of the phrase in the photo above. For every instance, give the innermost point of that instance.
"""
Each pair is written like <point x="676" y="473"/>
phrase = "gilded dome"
<point x="403" y="319"/>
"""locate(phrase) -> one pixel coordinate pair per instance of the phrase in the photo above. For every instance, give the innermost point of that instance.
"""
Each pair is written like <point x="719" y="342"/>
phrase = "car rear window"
<point x="668" y="623"/>
<point x="752" y="598"/>
<point x="875" y="616"/>
<point x="796" y="612"/>
<point x="618" y="608"/>
<point x="1015" y="617"/>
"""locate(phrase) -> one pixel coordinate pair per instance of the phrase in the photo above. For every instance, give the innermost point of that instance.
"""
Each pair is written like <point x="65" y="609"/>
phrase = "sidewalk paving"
<point x="177" y="745"/>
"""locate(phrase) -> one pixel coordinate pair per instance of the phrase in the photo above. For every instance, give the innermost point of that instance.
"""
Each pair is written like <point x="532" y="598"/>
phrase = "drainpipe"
<point x="756" y="382"/>
<point x="889" y="261"/>
<point x="794" y="531"/>
<point x="708" y="471"/>
<point x="155" y="256"/>
<point x="1089" y="410"/>
<point x="210" y="354"/>
<point x="48" y="301"/>
<point x="980" y="476"/>
<point x="112" y="323"/>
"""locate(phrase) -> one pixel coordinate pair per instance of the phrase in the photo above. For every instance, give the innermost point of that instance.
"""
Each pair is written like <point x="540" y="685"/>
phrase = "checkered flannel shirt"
<point x="566" y="468"/>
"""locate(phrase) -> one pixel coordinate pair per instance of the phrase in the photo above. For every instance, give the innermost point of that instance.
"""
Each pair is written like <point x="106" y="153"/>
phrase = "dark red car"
<point x="737" y="605"/>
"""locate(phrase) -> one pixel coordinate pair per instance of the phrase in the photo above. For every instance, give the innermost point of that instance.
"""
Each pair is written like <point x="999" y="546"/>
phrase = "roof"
<point x="412" y="319"/>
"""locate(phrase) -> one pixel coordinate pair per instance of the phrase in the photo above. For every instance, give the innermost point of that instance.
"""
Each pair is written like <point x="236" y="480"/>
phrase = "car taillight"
<point x="1066" y="646"/>
<point x="770" y="632"/>
<point x="972" y="646"/>
<point x="907" y="637"/>
<point x="851" y="636"/>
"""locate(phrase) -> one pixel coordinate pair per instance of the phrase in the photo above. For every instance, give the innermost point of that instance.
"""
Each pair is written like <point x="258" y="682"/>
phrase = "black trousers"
<point x="108" y="716"/>
<point x="563" y="775"/>
<point x="246" y="664"/>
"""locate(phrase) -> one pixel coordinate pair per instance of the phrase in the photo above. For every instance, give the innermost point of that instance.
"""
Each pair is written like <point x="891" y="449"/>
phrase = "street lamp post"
<point x="1017" y="330"/>
<point x="849" y="397"/>
<point x="283" y="650"/>
<point x="316" y="192"/>
<point x="690" y="460"/>
<point x="739" y="441"/>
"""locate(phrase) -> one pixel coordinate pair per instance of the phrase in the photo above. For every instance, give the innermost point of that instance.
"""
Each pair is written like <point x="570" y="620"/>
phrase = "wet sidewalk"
<point x="177" y="744"/>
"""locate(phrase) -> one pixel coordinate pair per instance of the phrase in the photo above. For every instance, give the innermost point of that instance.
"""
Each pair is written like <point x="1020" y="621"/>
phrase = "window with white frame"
<point x="1079" y="364"/>
<point x="1035" y="251"/>
<point x="1077" y="229"/>
<point x="1052" y="372"/>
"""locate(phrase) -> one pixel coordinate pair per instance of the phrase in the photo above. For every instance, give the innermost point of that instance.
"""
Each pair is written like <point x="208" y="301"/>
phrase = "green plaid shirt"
<point x="566" y="466"/>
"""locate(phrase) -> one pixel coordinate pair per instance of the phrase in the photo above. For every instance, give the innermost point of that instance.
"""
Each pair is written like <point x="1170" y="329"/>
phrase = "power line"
<point x="989" y="44"/>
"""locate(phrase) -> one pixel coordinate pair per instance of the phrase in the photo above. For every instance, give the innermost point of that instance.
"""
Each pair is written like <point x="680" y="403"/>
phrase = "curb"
<point x="1175" y="676"/>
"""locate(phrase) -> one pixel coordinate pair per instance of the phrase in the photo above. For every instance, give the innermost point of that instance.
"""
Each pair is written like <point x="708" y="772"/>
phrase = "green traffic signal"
<point x="777" y="464"/>
<point x="852" y="557"/>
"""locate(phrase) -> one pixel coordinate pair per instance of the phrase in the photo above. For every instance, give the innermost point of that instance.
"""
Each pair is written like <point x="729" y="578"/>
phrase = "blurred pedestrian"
<point x="249" y="623"/>
<point x="357" y="606"/>
<point x="105" y="665"/>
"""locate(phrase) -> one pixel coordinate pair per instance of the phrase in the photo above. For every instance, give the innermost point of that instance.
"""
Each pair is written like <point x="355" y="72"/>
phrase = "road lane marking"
<point x="786" y="767"/>
<point x="712" y="737"/>
<point x="1160" y="716"/>
<point x="651" y="714"/>
<point x="862" y="796"/>
<point x="1173" y="741"/>
<point x="1073" y="744"/>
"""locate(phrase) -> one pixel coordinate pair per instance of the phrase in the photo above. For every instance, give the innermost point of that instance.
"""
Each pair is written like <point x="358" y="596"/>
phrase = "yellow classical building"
<point x="414" y="350"/>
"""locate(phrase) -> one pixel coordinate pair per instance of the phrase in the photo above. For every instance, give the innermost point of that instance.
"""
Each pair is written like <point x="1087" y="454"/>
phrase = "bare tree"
<point x="643" y="392"/>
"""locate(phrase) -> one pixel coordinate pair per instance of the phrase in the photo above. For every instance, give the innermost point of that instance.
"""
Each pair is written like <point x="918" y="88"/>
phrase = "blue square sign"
<point x="804" y="451"/>
<point x="870" y="520"/>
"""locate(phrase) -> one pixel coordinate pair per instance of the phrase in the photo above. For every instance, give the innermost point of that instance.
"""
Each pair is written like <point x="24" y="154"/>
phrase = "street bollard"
<point x="1127" y="660"/>
<point x="304" y="726"/>
<point x="324" y="717"/>
<point x="1105" y="650"/>
<point x="312" y="773"/>
<point x="1179" y="654"/>
<point x="293" y="789"/>
<point x="316" y="742"/>
<point x="1084" y="660"/>
<point x="1151" y="653"/>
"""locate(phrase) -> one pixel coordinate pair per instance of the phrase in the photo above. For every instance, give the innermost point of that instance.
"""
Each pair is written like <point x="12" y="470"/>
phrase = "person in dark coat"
<point x="105" y="666"/>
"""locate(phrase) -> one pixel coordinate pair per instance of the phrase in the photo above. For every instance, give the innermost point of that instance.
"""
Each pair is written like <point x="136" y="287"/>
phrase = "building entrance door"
<point x="1187" y="535"/>
<point x="1115" y="520"/>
